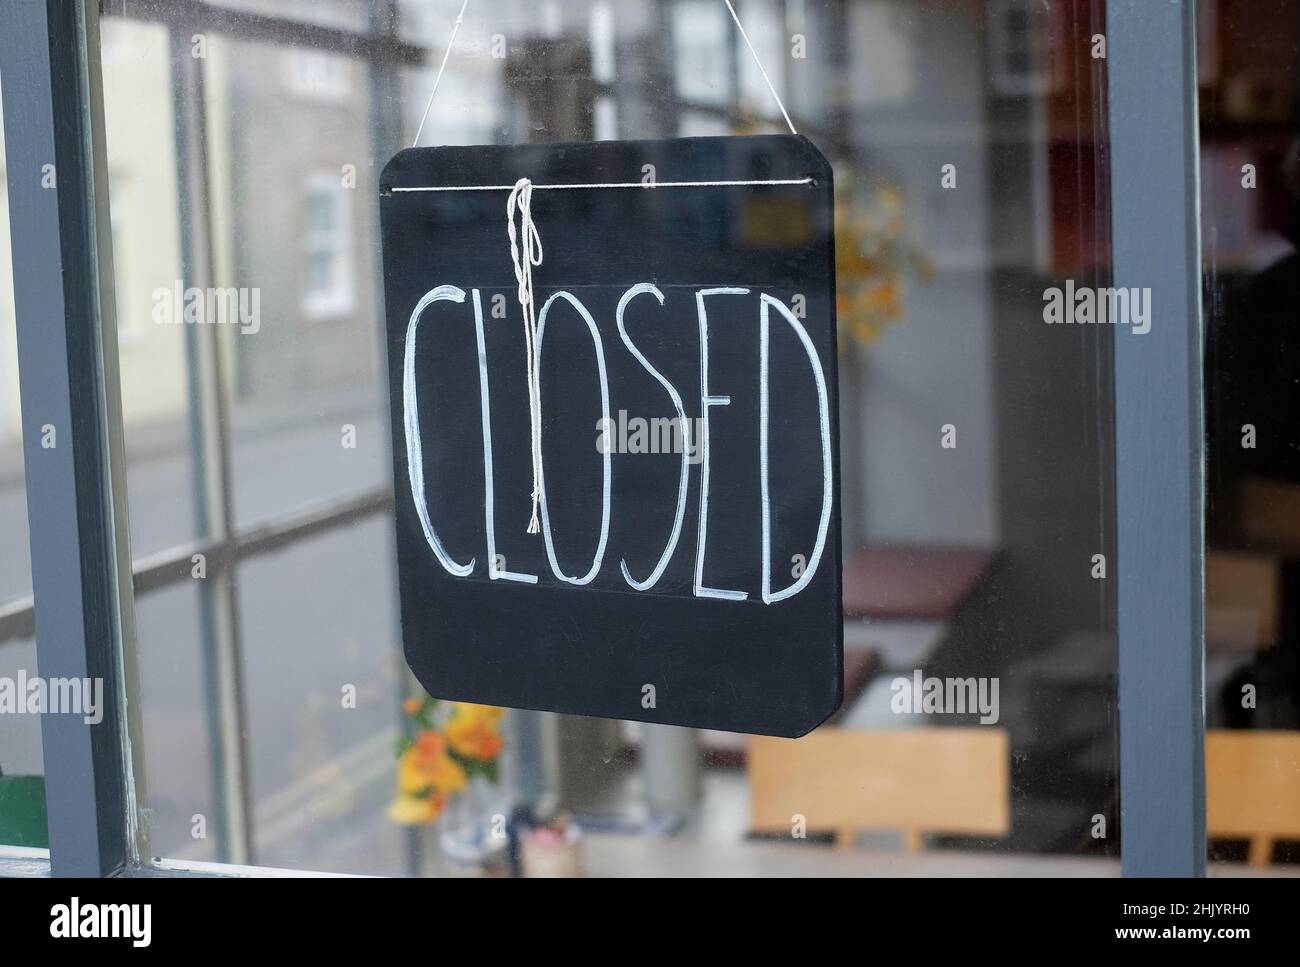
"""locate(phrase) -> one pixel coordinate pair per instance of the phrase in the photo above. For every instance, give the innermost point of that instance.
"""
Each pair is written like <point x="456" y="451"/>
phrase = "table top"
<point x="915" y="582"/>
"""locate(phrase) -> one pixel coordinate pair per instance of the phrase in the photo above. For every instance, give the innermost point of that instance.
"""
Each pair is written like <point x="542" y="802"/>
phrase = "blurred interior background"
<point x="968" y="137"/>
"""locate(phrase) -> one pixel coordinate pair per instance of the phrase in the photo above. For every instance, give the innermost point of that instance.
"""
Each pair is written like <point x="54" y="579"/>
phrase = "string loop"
<point x="525" y="253"/>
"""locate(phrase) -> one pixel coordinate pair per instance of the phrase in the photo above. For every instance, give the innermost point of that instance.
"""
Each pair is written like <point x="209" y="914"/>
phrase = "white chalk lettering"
<point x="604" y="457"/>
<point x="489" y="503"/>
<point x="708" y="400"/>
<point x="823" y="413"/>
<point x="411" y="422"/>
<point x="614" y="437"/>
<point x="684" y="478"/>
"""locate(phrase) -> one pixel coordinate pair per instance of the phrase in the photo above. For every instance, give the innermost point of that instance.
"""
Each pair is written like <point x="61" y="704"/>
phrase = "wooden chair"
<point x="918" y="781"/>
<point x="1252" y="782"/>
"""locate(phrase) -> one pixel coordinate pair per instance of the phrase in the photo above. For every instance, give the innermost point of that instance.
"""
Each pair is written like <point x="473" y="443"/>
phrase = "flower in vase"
<point x="426" y="765"/>
<point x="417" y="810"/>
<point x="451" y="742"/>
<point x="426" y="775"/>
<point x="474" y="731"/>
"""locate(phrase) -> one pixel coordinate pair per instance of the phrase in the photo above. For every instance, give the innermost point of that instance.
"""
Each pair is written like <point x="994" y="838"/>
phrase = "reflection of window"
<point x="702" y="41"/>
<point x="317" y="75"/>
<point x="1020" y="41"/>
<point x="129" y="328"/>
<point x="762" y="19"/>
<point x="327" y="280"/>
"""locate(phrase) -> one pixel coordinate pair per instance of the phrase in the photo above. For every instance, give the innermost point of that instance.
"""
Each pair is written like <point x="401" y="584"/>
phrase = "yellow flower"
<point x="447" y="775"/>
<point x="473" y="732"/>
<point x="469" y="709"/>
<point x="426" y="765"/>
<point x="414" y="811"/>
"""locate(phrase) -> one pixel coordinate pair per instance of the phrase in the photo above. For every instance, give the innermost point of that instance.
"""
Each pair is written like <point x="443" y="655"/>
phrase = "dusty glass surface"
<point x="968" y="145"/>
<point x="22" y="798"/>
<point x="1250" y="220"/>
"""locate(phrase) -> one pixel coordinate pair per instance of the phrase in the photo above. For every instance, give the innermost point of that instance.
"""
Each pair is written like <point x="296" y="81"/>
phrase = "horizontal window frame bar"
<point x="183" y="869"/>
<point x="248" y="25"/>
<point x="24" y="861"/>
<point x="158" y="571"/>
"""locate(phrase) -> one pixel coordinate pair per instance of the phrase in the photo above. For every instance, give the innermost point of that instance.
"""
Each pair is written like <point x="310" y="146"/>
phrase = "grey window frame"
<point x="1159" y="440"/>
<point x="82" y="608"/>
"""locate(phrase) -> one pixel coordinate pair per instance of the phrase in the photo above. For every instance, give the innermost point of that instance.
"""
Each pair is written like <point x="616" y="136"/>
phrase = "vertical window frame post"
<point x="67" y="353"/>
<point x="1159" y="439"/>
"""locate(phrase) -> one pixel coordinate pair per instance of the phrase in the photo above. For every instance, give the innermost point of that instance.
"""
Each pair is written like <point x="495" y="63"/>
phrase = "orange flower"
<point x="426" y="765"/>
<point x="412" y="705"/>
<point x="474" y="733"/>
<point x="429" y="745"/>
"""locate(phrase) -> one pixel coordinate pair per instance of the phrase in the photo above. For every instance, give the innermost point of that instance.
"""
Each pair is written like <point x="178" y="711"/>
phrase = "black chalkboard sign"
<point x="687" y="568"/>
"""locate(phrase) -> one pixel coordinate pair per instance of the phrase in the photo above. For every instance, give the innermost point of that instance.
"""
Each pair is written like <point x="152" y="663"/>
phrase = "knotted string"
<point x="526" y="252"/>
<point x="526" y="243"/>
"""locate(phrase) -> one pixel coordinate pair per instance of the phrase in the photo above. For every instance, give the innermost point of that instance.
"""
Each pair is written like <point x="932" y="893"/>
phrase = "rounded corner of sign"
<point x="819" y="717"/>
<point x="799" y="731"/>
<point x="393" y="170"/>
<point x="412" y="655"/>
<point x="818" y="167"/>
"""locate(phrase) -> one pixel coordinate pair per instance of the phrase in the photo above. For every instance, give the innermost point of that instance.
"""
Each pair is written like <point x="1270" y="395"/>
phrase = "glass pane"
<point x="22" y="783"/>
<point x="1250" y="220"/>
<point x="180" y="748"/>
<point x="322" y="763"/>
<point x="153" y="344"/>
<point x="702" y="52"/>
<point x="968" y="141"/>
<point x="297" y="241"/>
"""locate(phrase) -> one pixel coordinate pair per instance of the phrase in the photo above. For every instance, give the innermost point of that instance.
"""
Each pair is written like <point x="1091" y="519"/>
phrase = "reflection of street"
<point x="315" y="617"/>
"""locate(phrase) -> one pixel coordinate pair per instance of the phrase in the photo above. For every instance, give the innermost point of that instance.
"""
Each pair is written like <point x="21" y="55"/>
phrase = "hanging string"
<point x="770" y="86"/>
<point x="806" y="180"/>
<point x="526" y="241"/>
<point x="460" y="18"/>
<point x="525" y="253"/>
<point x="446" y="55"/>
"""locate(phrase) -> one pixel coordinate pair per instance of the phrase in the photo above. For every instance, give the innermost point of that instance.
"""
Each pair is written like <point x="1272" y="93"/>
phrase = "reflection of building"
<point x="146" y="229"/>
<point x="308" y="249"/>
<point x="144" y="225"/>
<point x="301" y="221"/>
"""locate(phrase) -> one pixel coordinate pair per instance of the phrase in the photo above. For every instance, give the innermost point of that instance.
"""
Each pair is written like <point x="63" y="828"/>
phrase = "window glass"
<point x="182" y="809"/>
<point x="297" y="241"/>
<point x="154" y="342"/>
<point x="702" y="52"/>
<point x="22" y="784"/>
<point x="1250" y="220"/>
<point x="968" y="142"/>
<point x="319" y="759"/>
